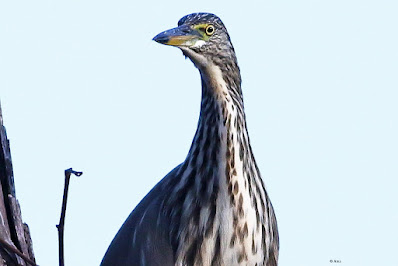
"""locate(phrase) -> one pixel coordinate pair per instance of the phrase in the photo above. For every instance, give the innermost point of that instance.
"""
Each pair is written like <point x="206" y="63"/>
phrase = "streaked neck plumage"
<point x="220" y="206"/>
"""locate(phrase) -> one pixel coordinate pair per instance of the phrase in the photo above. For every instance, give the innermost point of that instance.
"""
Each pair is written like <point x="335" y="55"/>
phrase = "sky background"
<point x="82" y="85"/>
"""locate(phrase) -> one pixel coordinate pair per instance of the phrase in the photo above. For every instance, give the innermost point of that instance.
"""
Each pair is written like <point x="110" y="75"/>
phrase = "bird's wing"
<point x="143" y="238"/>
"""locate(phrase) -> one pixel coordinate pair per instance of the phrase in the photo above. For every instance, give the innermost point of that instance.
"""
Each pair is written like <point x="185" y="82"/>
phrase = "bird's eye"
<point x="210" y="30"/>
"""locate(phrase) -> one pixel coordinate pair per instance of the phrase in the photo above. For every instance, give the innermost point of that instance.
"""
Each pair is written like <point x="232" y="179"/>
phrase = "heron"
<point x="213" y="208"/>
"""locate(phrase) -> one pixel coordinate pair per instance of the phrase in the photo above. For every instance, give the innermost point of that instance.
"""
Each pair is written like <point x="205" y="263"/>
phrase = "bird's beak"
<point x="180" y="36"/>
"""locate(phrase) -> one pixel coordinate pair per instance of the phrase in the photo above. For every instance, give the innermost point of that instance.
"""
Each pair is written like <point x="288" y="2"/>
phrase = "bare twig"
<point x="61" y="224"/>
<point x="13" y="249"/>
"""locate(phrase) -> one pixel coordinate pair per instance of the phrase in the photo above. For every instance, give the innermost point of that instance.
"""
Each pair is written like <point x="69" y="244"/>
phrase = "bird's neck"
<point x="217" y="194"/>
<point x="221" y="135"/>
<point x="221" y="155"/>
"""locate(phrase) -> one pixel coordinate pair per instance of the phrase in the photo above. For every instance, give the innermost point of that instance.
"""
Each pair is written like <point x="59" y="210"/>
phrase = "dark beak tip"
<point x="161" y="38"/>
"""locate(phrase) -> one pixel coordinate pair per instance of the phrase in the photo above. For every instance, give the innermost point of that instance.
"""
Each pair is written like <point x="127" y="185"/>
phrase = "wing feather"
<point x="143" y="239"/>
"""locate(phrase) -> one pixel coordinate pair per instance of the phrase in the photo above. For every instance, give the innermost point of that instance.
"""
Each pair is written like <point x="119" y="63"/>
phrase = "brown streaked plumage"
<point x="213" y="208"/>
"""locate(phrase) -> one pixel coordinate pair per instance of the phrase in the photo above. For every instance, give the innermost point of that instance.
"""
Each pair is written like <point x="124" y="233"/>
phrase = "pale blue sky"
<point x="82" y="85"/>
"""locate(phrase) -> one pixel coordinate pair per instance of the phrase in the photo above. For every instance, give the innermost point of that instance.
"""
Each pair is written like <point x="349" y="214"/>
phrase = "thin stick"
<point x="61" y="224"/>
<point x="16" y="251"/>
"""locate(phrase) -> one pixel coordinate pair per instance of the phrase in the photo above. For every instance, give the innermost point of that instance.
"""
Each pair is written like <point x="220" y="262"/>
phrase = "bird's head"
<point x="203" y="38"/>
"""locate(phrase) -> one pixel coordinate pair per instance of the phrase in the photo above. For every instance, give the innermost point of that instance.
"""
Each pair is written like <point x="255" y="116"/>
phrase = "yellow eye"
<point x="210" y="30"/>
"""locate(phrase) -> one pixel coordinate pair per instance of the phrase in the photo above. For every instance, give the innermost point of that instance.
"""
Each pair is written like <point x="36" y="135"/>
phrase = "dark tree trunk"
<point x="14" y="234"/>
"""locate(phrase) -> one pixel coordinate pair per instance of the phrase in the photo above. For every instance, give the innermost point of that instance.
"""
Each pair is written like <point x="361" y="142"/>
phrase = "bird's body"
<point x="213" y="208"/>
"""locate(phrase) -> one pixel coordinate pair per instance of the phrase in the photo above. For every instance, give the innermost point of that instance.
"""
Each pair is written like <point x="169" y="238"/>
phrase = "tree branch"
<point x="61" y="224"/>
<point x="13" y="249"/>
